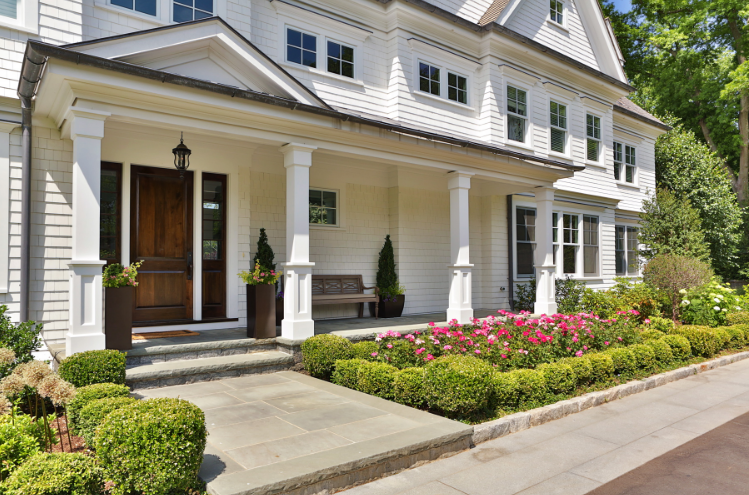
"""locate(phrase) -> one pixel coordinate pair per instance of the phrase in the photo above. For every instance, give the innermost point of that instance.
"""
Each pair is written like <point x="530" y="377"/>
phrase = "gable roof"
<point x="628" y="107"/>
<point x="493" y="12"/>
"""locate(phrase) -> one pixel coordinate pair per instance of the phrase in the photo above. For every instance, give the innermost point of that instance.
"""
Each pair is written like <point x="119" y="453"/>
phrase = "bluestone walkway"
<point x="577" y="454"/>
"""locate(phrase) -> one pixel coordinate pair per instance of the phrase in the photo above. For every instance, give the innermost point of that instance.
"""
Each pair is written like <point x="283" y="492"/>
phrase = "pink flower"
<point x="374" y="354"/>
<point x="477" y="351"/>
<point x="647" y="320"/>
<point x="606" y="343"/>
<point x="429" y="357"/>
<point x="447" y="347"/>
<point x="390" y="346"/>
<point x="585" y="347"/>
<point x="504" y="356"/>
<point x="579" y="353"/>
<point x="620" y="339"/>
<point x="419" y="351"/>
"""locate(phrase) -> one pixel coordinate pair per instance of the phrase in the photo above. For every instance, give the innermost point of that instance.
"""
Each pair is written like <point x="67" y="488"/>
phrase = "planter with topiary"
<point x="119" y="284"/>
<point x="261" y="301"/>
<point x="392" y="293"/>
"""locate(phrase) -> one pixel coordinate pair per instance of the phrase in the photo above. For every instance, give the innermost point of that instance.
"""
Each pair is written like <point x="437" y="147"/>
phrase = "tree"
<point x="386" y="276"/>
<point x="670" y="225"/>
<point x="264" y="253"/>
<point x="672" y="273"/>
<point x="690" y="170"/>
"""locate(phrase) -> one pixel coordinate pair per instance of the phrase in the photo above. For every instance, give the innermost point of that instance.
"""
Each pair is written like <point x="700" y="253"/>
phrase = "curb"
<point x="536" y="417"/>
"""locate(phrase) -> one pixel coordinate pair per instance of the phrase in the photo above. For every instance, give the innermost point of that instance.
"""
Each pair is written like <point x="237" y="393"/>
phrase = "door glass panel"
<point x="109" y="220"/>
<point x="213" y="219"/>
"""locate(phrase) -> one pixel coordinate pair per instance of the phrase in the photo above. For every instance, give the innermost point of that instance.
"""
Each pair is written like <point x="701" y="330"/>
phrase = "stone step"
<point x="153" y="354"/>
<point x="178" y="372"/>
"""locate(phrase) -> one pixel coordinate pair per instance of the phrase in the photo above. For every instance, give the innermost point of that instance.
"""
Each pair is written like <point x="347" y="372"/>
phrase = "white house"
<point x="500" y="127"/>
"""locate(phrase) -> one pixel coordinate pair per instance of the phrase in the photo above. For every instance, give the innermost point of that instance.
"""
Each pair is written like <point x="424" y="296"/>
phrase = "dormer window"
<point x="301" y="48"/>
<point x="517" y="114"/>
<point x="142" y="6"/>
<point x="556" y="11"/>
<point x="340" y="59"/>
<point x="429" y="79"/>
<point x="457" y="89"/>
<point x="192" y="10"/>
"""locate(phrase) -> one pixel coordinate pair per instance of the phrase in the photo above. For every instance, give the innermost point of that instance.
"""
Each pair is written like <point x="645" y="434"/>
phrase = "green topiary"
<point x="386" y="276"/>
<point x="680" y="346"/>
<point x="703" y="341"/>
<point x="20" y="438"/>
<point x="581" y="366"/>
<point x="625" y="361"/>
<point x="651" y="334"/>
<point x="724" y="338"/>
<point x="408" y="387"/>
<point x="56" y="474"/>
<point x="738" y="339"/>
<point x="401" y="354"/>
<point x="457" y="385"/>
<point x="531" y="387"/>
<point x="264" y="254"/>
<point x="152" y="447"/>
<point x="602" y="366"/>
<point x="89" y="367"/>
<point x="740" y="318"/>
<point x="560" y="377"/>
<point x="94" y="413"/>
<point x="661" y="350"/>
<point x="644" y="357"/>
<point x="364" y="350"/>
<point x="377" y="379"/>
<point x="661" y="324"/>
<point x="346" y="373"/>
<point x="505" y="391"/>
<point x="84" y="395"/>
<point x="319" y="353"/>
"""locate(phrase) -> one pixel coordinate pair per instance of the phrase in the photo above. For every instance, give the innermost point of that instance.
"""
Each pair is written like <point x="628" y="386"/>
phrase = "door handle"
<point x="189" y="265"/>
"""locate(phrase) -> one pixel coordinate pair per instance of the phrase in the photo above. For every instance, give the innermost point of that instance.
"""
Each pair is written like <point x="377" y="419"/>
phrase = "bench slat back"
<point x="337" y="284"/>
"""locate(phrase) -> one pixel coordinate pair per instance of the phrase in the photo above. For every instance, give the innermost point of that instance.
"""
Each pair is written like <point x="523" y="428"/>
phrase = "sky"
<point x="623" y="5"/>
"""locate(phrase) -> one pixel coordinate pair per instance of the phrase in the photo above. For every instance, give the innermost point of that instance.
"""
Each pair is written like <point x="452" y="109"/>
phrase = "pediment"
<point x="208" y="50"/>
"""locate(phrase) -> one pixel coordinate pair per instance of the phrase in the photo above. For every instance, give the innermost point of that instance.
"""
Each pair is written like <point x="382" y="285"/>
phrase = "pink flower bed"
<point x="512" y="340"/>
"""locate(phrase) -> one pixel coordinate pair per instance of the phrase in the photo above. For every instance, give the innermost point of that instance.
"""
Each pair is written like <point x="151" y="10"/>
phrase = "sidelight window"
<point x="214" y="216"/>
<point x="110" y="214"/>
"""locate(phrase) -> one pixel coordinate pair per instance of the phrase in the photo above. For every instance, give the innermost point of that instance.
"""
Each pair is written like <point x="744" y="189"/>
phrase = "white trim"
<point x="528" y="142"/>
<point x="564" y="13"/>
<point x="568" y="135"/>
<point x="197" y="246"/>
<point x="5" y="130"/>
<point x="27" y="17"/>
<point x="601" y="162"/>
<point x="214" y="325"/>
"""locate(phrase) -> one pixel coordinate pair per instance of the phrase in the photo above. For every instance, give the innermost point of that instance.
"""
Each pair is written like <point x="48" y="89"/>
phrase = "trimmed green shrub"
<point x="457" y="385"/>
<point x="401" y="354"/>
<point x="664" y="325"/>
<point x="93" y="413"/>
<point x="723" y="336"/>
<point x="364" y="350"/>
<point x="625" y="361"/>
<point x="738" y="339"/>
<point x="377" y="379"/>
<point x="84" y="395"/>
<point x="560" y="378"/>
<point x="319" y="353"/>
<point x="56" y="474"/>
<point x="661" y="350"/>
<point x="644" y="357"/>
<point x="152" y="447"/>
<point x="505" y="390"/>
<point x="90" y="367"/>
<point x="346" y="373"/>
<point x="581" y="366"/>
<point x="745" y="329"/>
<point x="680" y="346"/>
<point x="740" y="318"/>
<point x="703" y="341"/>
<point x="651" y="334"/>
<point x="531" y="388"/>
<point x="408" y="387"/>
<point x="19" y="439"/>
<point x="602" y="366"/>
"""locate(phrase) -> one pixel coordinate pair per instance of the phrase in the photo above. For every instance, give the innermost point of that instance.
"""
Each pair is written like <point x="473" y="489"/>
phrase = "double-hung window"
<point x="323" y="207"/>
<point x="558" y="119"/>
<point x="9" y="8"/>
<point x="556" y="11"/>
<point x="590" y="245"/>
<point x="627" y="262"/>
<point x="633" y="263"/>
<point x="625" y="163"/>
<point x="457" y="88"/>
<point x="142" y="6"/>
<point x="301" y="48"/>
<point x="340" y="59"/>
<point x="429" y="79"/>
<point x="525" y="237"/>
<point x="191" y="10"/>
<point x="570" y="243"/>
<point x="594" y="138"/>
<point x="517" y="114"/>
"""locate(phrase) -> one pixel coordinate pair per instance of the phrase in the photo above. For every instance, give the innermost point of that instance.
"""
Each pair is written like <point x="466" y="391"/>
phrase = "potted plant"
<point x="261" y="301"/>
<point x="119" y="283"/>
<point x="392" y="293"/>
<point x="265" y="256"/>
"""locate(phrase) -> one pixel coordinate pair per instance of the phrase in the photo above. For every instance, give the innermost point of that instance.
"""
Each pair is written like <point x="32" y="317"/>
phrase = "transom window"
<point x="340" y="59"/>
<point x="627" y="262"/>
<point x="625" y="164"/>
<point x="192" y="10"/>
<point x="323" y="207"/>
<point x="142" y="6"/>
<point x="429" y="79"/>
<point x="301" y="48"/>
<point x="517" y="114"/>
<point x="457" y="88"/>
<point x="556" y="11"/>
<point x="525" y="237"/>
<point x="594" y="138"/>
<point x="558" y="118"/>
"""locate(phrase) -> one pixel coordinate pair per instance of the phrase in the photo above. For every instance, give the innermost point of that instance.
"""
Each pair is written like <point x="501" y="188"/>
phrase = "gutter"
<point x="38" y="50"/>
<point x="642" y="118"/>
<point x="31" y="74"/>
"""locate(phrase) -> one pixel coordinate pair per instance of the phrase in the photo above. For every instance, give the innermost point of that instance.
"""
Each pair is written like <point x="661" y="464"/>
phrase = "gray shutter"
<point x="9" y="8"/>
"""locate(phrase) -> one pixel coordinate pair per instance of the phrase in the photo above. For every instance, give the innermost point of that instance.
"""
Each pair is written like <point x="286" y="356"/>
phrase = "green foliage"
<point x="625" y="360"/>
<point x="377" y="379"/>
<point x="602" y="366"/>
<point x="116" y="275"/>
<point x="346" y="373"/>
<point x="568" y="293"/>
<point x="364" y="350"/>
<point x="531" y="388"/>
<point x="672" y="274"/>
<point x="57" y="474"/>
<point x="387" y="278"/>
<point x="22" y="339"/>
<point x="408" y="387"/>
<point x="319" y="353"/>
<point x="651" y="334"/>
<point x="90" y="393"/>
<point x="709" y="304"/>
<point x="457" y="385"/>
<point x="738" y="339"/>
<point x="264" y="254"/>
<point x="644" y="356"/>
<point x="560" y="377"/>
<point x="93" y="413"/>
<point x="703" y="341"/>
<point x="260" y="275"/>
<point x="20" y="438"/>
<point x="581" y="367"/>
<point x="601" y="303"/>
<point x="661" y="324"/>
<point x="400" y="354"/>
<point x="670" y="225"/>
<point x="739" y="318"/>
<point x="680" y="346"/>
<point x="152" y="447"/>
<point x="661" y="350"/>
<point x="505" y="390"/>
<point x="90" y="367"/>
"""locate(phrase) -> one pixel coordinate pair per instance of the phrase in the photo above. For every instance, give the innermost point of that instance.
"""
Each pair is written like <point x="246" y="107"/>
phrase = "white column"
<point x="297" y="323"/>
<point x="86" y="329"/>
<point x="5" y="129"/>
<point x="460" y="267"/>
<point x="545" y="269"/>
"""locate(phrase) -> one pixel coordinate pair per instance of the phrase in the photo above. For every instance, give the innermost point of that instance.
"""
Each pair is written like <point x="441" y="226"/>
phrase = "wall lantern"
<point x="181" y="157"/>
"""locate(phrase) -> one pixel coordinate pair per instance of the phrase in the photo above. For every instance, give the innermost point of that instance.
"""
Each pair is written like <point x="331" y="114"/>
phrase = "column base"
<point x="85" y="342"/>
<point x="297" y="330"/>
<point x="462" y="315"/>
<point x="297" y="323"/>
<point x="545" y="308"/>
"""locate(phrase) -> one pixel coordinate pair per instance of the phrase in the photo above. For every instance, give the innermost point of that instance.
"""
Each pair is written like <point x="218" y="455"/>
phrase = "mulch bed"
<point x="63" y="444"/>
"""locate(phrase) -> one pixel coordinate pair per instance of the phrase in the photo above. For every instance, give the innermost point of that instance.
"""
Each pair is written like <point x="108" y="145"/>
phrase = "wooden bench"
<point x="343" y="289"/>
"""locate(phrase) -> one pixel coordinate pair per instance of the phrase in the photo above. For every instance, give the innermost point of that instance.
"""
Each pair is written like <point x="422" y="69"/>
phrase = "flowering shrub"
<point x="260" y="275"/>
<point x="116" y="275"/>
<point x="710" y="304"/>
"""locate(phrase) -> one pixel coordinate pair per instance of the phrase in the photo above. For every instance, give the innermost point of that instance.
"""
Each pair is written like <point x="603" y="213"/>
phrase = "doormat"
<point x="163" y="335"/>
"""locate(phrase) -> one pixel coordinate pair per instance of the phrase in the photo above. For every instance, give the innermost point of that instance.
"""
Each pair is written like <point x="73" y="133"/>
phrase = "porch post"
<point x="297" y="323"/>
<point x="545" y="269"/>
<point x="86" y="329"/>
<point x="460" y="268"/>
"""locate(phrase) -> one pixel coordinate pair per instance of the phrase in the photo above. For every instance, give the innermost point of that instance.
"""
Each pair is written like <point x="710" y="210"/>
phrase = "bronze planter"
<point x="390" y="308"/>
<point x="261" y="311"/>
<point x="118" y="318"/>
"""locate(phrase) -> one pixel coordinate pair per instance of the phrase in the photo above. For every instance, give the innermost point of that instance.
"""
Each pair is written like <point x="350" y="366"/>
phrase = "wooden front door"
<point x="161" y="235"/>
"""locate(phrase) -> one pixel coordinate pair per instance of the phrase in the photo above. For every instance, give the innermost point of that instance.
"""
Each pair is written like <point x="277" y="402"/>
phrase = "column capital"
<point x="459" y="180"/>
<point x="544" y="193"/>
<point x="297" y="154"/>
<point x="86" y="123"/>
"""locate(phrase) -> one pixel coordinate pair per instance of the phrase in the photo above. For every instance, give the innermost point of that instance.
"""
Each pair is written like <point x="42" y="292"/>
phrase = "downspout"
<point x="510" y="251"/>
<point x="30" y="76"/>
